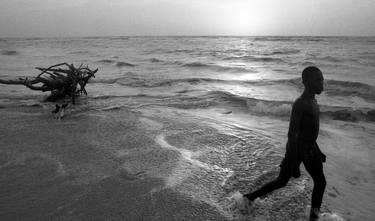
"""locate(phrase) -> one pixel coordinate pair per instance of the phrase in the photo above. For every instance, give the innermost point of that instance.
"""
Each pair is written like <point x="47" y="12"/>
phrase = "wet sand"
<point x="85" y="168"/>
<point x="161" y="164"/>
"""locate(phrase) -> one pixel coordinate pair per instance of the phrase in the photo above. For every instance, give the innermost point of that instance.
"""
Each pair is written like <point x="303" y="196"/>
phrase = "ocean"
<point x="221" y="105"/>
<point x="261" y="74"/>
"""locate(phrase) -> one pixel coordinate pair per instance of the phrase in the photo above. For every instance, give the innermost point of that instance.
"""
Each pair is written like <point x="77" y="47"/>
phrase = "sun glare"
<point x="241" y="24"/>
<point x="244" y="18"/>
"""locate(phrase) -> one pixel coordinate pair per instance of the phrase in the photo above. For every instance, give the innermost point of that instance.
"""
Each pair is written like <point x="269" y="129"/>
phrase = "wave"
<point x="232" y="102"/>
<point x="187" y="51"/>
<point x="331" y="87"/>
<point x="245" y="104"/>
<point x="283" y="52"/>
<point x="107" y="61"/>
<point x="80" y="52"/>
<point x="155" y="60"/>
<point x="119" y="38"/>
<point x="352" y="84"/>
<point x="270" y="108"/>
<point x="140" y="82"/>
<point x="105" y="81"/>
<point x="253" y="105"/>
<point x="255" y="58"/>
<point x="9" y="52"/>
<point x="307" y="63"/>
<point x="125" y="81"/>
<point x="36" y="38"/>
<point x="349" y="114"/>
<point x="106" y="97"/>
<point x="124" y="64"/>
<point x="329" y="59"/>
<point x="136" y="82"/>
<point x="18" y="98"/>
<point x="350" y="88"/>
<point x="214" y="67"/>
<point x="117" y="63"/>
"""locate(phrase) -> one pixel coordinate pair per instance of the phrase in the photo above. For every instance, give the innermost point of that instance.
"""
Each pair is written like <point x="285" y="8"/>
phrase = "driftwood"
<point x="62" y="80"/>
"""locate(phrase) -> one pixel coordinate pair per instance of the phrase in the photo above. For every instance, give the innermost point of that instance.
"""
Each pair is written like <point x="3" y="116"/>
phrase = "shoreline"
<point x="109" y="164"/>
<point x="71" y="169"/>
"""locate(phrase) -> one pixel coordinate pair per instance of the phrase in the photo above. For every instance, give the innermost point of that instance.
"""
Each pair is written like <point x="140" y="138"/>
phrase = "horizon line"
<point x="119" y="36"/>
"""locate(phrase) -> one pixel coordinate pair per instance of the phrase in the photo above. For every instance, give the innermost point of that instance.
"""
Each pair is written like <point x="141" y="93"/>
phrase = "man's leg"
<point x="314" y="167"/>
<point x="279" y="182"/>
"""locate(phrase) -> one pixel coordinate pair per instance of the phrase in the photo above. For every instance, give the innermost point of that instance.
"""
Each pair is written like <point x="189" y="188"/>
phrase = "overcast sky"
<point x="57" y="18"/>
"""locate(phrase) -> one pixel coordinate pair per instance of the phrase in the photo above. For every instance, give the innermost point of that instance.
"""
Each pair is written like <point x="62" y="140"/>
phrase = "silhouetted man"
<point x="301" y="145"/>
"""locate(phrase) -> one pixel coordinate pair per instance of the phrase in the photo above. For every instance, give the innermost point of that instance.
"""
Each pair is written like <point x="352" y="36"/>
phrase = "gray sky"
<point x="55" y="18"/>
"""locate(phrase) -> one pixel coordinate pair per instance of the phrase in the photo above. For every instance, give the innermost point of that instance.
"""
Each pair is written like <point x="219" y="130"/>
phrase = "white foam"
<point x="189" y="155"/>
<point x="240" y="204"/>
<point x="151" y="124"/>
<point x="330" y="217"/>
<point x="264" y="108"/>
<point x="325" y="216"/>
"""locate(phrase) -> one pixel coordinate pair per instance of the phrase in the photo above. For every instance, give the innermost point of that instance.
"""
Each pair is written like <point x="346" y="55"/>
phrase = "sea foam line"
<point x="189" y="156"/>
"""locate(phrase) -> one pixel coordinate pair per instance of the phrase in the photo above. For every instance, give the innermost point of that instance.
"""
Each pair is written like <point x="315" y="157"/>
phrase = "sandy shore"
<point x="75" y="169"/>
<point x="148" y="165"/>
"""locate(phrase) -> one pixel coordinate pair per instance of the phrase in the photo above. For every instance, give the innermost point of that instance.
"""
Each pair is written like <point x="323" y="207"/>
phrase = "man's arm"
<point x="294" y="129"/>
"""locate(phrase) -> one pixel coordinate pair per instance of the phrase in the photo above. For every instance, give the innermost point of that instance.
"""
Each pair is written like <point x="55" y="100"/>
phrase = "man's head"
<point x="312" y="78"/>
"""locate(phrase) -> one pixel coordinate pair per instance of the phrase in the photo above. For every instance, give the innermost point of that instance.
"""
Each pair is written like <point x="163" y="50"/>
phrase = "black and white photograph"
<point x="187" y="110"/>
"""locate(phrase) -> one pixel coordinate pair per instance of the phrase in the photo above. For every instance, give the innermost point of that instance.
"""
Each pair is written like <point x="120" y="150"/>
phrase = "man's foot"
<point x="250" y="197"/>
<point x="314" y="214"/>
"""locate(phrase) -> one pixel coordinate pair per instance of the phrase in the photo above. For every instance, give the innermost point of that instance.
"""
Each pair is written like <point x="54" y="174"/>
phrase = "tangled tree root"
<point x="62" y="80"/>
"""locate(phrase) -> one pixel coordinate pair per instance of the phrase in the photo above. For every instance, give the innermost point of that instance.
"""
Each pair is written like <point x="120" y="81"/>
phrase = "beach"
<point x="172" y="127"/>
<point x="83" y="170"/>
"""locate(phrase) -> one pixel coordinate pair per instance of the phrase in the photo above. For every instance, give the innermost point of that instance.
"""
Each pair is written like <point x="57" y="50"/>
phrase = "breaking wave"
<point x="331" y="87"/>
<point x="269" y="108"/>
<point x="349" y="88"/>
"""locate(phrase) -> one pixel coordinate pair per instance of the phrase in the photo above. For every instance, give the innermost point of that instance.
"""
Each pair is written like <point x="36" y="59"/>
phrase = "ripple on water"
<point x="212" y="164"/>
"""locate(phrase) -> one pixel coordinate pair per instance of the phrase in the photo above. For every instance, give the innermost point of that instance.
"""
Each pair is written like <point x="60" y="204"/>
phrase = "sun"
<point x="243" y="23"/>
<point x="246" y="17"/>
